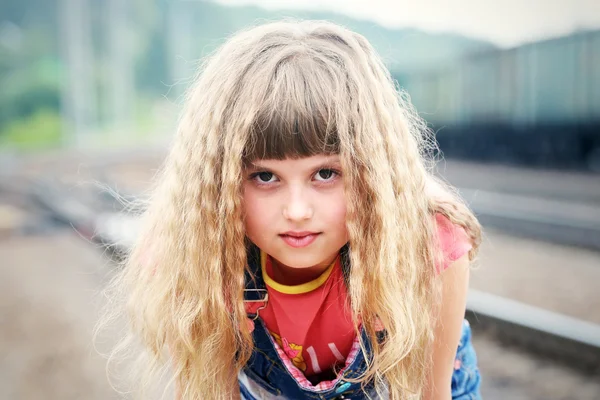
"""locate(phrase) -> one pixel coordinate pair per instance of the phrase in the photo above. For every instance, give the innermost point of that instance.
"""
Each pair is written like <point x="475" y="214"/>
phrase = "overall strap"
<point x="255" y="290"/>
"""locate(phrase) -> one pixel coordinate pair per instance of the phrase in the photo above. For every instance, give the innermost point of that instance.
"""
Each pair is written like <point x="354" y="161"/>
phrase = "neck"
<point x="297" y="276"/>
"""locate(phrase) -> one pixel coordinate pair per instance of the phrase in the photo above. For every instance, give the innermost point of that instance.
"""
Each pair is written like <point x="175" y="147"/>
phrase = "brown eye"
<point x="325" y="174"/>
<point x="263" y="177"/>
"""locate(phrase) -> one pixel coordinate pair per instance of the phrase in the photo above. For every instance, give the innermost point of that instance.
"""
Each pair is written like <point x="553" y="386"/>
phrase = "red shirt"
<point x="312" y="322"/>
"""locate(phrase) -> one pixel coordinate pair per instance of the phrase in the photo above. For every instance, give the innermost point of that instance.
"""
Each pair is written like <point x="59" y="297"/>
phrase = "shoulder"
<point x="452" y="241"/>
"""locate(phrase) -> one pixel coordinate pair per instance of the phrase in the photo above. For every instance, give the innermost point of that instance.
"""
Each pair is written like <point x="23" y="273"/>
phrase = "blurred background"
<point x="90" y="91"/>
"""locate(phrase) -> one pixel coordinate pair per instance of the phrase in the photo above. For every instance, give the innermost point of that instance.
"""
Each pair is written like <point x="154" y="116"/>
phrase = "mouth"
<point x="298" y="234"/>
<point x="299" y="239"/>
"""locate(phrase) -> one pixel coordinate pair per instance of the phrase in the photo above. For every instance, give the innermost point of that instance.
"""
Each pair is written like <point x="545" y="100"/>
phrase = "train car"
<point x="537" y="104"/>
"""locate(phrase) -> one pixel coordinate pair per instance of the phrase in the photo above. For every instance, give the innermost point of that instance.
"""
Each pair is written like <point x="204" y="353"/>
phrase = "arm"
<point x="455" y="283"/>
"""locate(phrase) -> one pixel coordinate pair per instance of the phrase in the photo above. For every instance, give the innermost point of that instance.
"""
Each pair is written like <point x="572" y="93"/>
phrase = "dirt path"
<point x="47" y="293"/>
<point x="561" y="279"/>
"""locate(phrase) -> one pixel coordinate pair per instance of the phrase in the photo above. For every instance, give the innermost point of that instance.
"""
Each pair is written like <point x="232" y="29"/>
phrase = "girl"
<point x="296" y="244"/>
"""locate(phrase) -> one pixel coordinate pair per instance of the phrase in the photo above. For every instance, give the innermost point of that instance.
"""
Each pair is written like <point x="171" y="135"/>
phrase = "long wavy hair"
<point x="288" y="89"/>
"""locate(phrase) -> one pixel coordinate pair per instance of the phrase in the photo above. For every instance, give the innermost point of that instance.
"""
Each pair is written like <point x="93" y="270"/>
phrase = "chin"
<point x="299" y="262"/>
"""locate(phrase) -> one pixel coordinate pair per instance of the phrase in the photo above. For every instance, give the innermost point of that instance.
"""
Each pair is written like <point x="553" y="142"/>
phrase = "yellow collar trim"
<point x="295" y="289"/>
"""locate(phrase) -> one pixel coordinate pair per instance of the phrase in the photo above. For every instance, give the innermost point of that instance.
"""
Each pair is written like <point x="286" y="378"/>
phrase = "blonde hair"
<point x="289" y="89"/>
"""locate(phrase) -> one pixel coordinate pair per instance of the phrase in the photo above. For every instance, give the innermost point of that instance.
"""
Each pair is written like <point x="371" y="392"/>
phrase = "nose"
<point x="298" y="206"/>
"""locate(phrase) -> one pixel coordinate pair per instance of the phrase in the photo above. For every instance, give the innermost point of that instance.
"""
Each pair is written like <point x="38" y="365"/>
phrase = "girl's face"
<point x="296" y="209"/>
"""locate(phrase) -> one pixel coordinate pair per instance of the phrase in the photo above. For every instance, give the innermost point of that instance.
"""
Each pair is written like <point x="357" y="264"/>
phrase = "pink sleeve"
<point x="452" y="239"/>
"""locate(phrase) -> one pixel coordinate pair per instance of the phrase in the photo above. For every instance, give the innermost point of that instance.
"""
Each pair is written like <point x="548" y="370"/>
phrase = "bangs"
<point x="295" y="120"/>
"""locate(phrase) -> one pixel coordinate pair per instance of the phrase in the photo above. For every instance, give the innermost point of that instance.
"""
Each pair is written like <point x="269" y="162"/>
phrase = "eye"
<point x="263" y="177"/>
<point x="326" y="175"/>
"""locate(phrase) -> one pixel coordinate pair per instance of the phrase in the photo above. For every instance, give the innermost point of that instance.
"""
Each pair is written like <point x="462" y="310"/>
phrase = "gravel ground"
<point x="509" y="373"/>
<point x="561" y="279"/>
<point x="48" y="288"/>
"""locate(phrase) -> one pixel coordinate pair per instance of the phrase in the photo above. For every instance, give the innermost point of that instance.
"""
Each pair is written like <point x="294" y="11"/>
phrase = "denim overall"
<point x="266" y="377"/>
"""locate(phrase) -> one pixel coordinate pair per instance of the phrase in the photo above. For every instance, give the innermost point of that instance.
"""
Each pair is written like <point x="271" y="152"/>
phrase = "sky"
<point x="507" y="23"/>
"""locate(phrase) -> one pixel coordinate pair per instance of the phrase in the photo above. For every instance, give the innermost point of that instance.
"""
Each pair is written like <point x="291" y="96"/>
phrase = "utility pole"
<point x="79" y="103"/>
<point x="180" y="46"/>
<point x="121" y="82"/>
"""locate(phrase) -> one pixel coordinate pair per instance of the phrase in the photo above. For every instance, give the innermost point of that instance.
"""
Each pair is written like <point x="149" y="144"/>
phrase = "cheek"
<point x="338" y="214"/>
<point x="255" y="213"/>
<point x="336" y="209"/>
<point x="248" y="205"/>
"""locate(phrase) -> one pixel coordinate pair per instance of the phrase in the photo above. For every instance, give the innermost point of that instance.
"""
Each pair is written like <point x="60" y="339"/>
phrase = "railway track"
<point x="556" y="221"/>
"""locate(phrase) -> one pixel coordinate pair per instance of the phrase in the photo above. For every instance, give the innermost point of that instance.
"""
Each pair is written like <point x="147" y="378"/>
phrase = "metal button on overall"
<point x="343" y="387"/>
